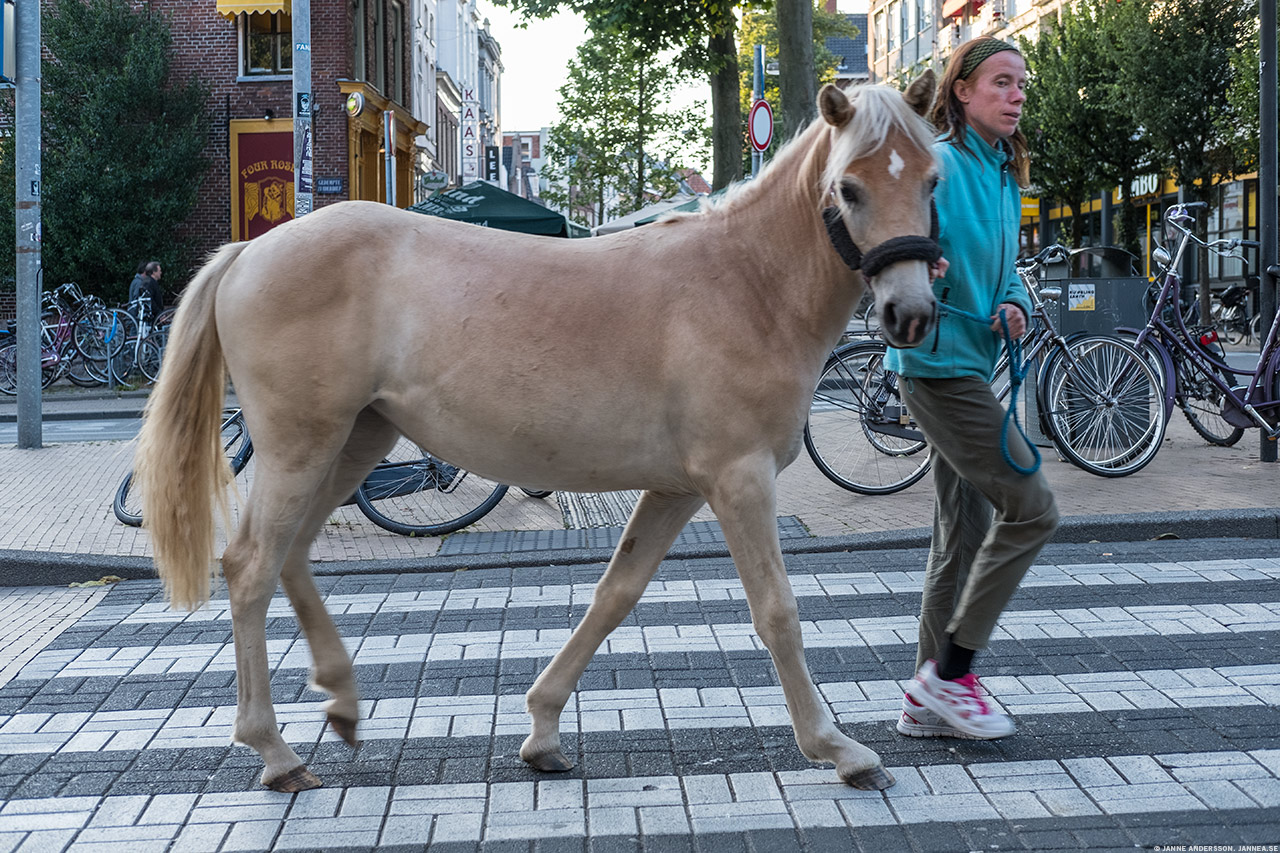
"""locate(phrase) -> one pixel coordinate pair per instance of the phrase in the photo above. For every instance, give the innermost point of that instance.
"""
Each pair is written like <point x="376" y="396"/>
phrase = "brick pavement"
<point x="57" y="499"/>
<point x="1144" y="678"/>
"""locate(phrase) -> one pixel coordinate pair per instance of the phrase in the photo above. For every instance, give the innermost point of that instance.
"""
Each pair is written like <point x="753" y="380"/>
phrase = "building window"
<point x="879" y="33"/>
<point x="268" y="48"/>
<point x="397" y="52"/>
<point x="379" y="48"/>
<point x="895" y="25"/>
<point x="358" y="70"/>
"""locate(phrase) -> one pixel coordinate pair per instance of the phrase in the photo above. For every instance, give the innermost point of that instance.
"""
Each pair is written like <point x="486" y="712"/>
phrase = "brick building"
<point x="361" y="53"/>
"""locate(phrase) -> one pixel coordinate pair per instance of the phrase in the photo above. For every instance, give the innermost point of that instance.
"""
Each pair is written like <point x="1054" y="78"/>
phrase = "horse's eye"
<point x="933" y="185"/>
<point x="849" y="194"/>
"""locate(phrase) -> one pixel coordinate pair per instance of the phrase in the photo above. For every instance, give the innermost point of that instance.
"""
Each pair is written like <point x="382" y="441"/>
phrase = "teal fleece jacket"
<point x="979" y="213"/>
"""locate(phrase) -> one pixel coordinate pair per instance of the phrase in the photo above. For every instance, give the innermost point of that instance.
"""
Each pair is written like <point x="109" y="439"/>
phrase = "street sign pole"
<point x="757" y="92"/>
<point x="303" y="110"/>
<point x="27" y="202"/>
<point x="1267" y="203"/>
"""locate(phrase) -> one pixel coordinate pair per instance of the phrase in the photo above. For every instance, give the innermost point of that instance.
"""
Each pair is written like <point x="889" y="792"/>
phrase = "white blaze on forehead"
<point x="896" y="164"/>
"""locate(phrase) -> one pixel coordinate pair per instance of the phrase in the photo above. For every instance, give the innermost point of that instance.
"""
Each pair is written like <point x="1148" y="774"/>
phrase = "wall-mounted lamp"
<point x="268" y="114"/>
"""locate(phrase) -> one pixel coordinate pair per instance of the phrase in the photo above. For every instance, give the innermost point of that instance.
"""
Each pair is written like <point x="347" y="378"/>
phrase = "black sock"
<point x="955" y="661"/>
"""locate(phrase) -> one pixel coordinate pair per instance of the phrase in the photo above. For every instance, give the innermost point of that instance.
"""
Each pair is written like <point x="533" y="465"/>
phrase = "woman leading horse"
<point x="678" y="359"/>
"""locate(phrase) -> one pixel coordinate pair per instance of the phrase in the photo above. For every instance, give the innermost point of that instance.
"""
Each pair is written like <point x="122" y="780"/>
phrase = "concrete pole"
<point x="303" y="110"/>
<point x="1267" y="203"/>
<point x="757" y="92"/>
<point x="27" y="204"/>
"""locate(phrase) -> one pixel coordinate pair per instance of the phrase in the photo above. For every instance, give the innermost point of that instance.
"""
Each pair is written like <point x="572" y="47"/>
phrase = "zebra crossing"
<point x="1144" y="678"/>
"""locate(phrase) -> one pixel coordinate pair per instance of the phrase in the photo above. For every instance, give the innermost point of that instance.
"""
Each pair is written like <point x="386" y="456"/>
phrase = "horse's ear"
<point x="835" y="105"/>
<point x="919" y="95"/>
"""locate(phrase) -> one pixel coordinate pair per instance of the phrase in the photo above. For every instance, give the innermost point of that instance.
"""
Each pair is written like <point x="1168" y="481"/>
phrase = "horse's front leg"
<point x="653" y="526"/>
<point x="743" y="498"/>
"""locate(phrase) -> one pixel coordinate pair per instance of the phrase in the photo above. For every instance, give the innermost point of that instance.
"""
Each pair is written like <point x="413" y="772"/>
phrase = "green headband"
<point x="982" y="51"/>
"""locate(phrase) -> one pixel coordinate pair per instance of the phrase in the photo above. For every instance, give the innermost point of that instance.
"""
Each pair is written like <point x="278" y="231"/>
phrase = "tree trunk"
<point x="726" y="113"/>
<point x="796" y="76"/>
<point x="1077" y="232"/>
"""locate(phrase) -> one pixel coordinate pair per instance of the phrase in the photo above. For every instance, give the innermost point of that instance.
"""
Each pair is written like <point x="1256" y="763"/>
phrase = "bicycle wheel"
<point x="127" y="504"/>
<point x="9" y="369"/>
<point x="150" y="353"/>
<point x="93" y="334"/>
<point x="536" y="493"/>
<point x="415" y="494"/>
<point x="1104" y="406"/>
<point x="81" y="371"/>
<point x="1201" y="401"/>
<point x="858" y="434"/>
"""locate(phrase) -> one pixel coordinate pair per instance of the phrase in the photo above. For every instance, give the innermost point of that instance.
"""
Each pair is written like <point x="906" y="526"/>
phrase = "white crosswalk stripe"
<point x="636" y="710"/>
<point x="659" y="592"/>
<point x="1094" y="622"/>
<point x="660" y="805"/>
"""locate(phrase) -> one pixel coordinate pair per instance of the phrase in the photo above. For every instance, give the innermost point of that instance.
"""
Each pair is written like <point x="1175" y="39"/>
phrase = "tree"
<point x="1082" y="135"/>
<point x="796" y="61"/>
<point x="122" y="145"/>
<point x="616" y="148"/>
<point x="762" y="28"/>
<point x="702" y="34"/>
<point x="1176" y="73"/>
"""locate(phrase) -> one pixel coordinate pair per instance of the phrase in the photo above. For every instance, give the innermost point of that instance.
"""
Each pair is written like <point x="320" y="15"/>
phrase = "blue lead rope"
<point x="1017" y="372"/>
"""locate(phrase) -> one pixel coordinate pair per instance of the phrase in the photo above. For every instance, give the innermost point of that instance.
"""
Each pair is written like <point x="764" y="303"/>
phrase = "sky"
<point x="534" y="62"/>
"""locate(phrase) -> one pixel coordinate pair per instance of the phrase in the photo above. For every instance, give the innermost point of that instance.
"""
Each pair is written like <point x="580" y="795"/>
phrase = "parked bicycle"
<point x="1194" y="372"/>
<point x="1099" y="403"/>
<point x="72" y="341"/>
<point x="410" y="492"/>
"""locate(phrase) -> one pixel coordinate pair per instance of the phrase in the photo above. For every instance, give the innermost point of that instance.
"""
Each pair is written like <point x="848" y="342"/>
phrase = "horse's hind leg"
<point x="654" y="525"/>
<point x="744" y="501"/>
<point x="281" y="502"/>
<point x="331" y="670"/>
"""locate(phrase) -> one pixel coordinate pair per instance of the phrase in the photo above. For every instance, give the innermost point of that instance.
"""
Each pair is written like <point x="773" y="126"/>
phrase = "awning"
<point x="950" y="8"/>
<point x="231" y="8"/>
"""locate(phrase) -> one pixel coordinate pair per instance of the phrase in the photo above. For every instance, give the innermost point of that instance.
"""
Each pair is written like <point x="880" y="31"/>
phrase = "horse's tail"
<point x="180" y="465"/>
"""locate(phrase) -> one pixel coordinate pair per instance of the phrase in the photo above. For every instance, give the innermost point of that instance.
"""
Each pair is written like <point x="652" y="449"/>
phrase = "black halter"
<point x="905" y="248"/>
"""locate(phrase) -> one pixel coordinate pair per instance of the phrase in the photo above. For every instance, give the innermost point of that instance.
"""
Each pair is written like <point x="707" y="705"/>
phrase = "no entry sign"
<point x="760" y="124"/>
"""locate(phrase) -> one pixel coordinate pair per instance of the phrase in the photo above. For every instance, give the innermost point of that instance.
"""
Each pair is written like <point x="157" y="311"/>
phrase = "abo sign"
<point x="760" y="124"/>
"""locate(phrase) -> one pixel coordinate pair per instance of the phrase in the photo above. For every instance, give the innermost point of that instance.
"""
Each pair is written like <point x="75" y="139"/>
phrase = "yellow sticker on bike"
<point x="1081" y="297"/>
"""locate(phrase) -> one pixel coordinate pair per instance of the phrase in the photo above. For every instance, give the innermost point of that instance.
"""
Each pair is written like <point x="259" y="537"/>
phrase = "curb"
<point x="30" y="568"/>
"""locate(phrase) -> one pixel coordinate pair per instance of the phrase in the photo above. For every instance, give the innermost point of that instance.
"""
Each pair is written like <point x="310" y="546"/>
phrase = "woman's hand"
<point x="938" y="268"/>
<point x="1013" y="316"/>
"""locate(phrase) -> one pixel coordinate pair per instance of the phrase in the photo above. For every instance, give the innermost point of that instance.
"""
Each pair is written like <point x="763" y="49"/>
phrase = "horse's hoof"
<point x="344" y="728"/>
<point x="297" y="779"/>
<point x="549" y="762"/>
<point x="871" y="779"/>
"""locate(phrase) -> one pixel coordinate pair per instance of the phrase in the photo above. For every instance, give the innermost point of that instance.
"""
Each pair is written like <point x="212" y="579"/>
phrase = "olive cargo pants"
<point x="975" y="562"/>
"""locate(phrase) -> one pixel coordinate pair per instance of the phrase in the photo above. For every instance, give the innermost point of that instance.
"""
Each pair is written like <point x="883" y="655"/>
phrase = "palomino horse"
<point x="679" y="359"/>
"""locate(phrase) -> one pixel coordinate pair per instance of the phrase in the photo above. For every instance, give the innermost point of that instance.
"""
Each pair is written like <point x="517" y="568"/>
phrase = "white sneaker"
<point x="961" y="704"/>
<point x="918" y="721"/>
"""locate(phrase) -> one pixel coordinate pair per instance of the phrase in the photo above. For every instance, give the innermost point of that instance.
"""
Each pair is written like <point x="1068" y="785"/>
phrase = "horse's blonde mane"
<point x="879" y="109"/>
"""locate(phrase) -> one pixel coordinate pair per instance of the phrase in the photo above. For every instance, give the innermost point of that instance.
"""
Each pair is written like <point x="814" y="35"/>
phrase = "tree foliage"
<point x="762" y="28"/>
<point x="700" y="32"/>
<point x="1083" y="136"/>
<point x="1175" y="73"/>
<point x="122" y="142"/>
<point x="617" y="147"/>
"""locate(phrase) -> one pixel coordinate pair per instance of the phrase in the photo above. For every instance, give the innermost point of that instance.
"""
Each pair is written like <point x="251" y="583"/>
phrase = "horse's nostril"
<point x="890" y="316"/>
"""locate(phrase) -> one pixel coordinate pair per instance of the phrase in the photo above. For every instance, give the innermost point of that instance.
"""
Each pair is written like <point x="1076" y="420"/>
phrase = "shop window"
<point x="268" y="47"/>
